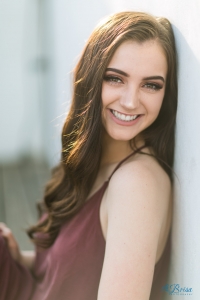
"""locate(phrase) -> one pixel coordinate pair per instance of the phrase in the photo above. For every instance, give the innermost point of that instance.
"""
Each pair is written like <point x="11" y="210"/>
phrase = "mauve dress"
<point x="71" y="268"/>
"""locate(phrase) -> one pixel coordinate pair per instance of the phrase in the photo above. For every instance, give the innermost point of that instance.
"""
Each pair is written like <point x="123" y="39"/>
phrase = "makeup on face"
<point x="133" y="88"/>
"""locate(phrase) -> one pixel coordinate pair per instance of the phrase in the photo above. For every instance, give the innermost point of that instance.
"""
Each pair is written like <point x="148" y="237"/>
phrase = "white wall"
<point x="20" y="122"/>
<point x="74" y="22"/>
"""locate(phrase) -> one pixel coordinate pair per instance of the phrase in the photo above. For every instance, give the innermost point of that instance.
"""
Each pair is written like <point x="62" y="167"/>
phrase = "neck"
<point x="113" y="150"/>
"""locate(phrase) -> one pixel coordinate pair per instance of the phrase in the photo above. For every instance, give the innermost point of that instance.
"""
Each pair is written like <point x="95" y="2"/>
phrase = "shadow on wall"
<point x="187" y="169"/>
<point x="187" y="142"/>
<point x="188" y="76"/>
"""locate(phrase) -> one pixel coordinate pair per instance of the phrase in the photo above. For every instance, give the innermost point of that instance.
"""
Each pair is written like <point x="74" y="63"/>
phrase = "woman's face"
<point x="133" y="89"/>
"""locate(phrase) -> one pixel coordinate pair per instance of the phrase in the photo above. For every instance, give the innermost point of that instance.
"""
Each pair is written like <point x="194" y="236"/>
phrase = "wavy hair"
<point x="74" y="177"/>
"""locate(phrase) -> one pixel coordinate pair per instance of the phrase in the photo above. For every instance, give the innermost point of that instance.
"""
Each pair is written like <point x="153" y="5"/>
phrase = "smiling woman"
<point x="133" y="88"/>
<point x="107" y="211"/>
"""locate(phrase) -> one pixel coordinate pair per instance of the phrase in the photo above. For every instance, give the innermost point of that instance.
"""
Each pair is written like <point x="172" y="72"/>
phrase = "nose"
<point x="130" y="99"/>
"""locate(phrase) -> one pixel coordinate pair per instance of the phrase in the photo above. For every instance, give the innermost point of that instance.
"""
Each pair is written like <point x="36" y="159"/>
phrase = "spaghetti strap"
<point x="121" y="162"/>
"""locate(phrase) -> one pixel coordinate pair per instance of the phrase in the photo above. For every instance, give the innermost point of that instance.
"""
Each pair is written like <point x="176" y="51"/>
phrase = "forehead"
<point x="145" y="59"/>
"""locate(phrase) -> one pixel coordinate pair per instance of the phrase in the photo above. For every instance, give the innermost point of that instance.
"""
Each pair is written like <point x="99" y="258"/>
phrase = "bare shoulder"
<point x="142" y="172"/>
<point x="137" y="201"/>
<point x="141" y="184"/>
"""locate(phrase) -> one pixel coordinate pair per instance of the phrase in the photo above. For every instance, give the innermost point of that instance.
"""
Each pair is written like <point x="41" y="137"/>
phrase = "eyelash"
<point x="112" y="79"/>
<point x="117" y="80"/>
<point x="153" y="86"/>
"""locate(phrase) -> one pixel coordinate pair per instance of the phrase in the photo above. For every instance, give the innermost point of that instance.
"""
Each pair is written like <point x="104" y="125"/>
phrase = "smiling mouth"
<point x="122" y="117"/>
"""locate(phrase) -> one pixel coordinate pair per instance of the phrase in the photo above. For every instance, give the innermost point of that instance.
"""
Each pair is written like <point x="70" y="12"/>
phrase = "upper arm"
<point x="134" y="222"/>
<point x="28" y="259"/>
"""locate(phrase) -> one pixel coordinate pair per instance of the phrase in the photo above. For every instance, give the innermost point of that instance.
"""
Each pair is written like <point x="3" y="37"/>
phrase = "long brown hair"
<point x="74" y="177"/>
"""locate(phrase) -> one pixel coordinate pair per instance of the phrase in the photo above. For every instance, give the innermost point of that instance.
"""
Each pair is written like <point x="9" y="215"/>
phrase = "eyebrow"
<point x="126" y="75"/>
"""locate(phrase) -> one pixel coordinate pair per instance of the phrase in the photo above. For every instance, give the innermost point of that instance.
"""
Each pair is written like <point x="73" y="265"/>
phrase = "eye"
<point x="112" y="79"/>
<point x="153" y="86"/>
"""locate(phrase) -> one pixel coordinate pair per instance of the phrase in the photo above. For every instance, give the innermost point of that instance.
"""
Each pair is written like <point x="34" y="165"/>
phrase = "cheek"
<point x="153" y="105"/>
<point x="108" y="95"/>
<point x="104" y="104"/>
<point x="157" y="105"/>
<point x="105" y="96"/>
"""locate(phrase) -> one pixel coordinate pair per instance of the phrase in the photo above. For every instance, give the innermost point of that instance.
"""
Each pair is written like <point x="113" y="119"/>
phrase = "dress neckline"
<point x="117" y="166"/>
<point x="97" y="191"/>
<point x="103" y="187"/>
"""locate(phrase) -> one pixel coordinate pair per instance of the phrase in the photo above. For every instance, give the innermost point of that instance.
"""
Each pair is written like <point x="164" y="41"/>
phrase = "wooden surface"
<point x="21" y="187"/>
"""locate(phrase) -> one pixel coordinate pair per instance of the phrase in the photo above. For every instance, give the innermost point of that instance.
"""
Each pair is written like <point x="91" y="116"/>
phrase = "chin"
<point x="120" y="136"/>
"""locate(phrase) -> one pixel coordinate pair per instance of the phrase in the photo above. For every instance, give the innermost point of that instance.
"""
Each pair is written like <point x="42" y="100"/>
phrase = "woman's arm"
<point x="136" y="204"/>
<point x="25" y="258"/>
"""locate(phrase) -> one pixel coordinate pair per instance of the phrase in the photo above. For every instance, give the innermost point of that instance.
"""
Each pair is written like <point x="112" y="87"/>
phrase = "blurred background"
<point x="40" y="42"/>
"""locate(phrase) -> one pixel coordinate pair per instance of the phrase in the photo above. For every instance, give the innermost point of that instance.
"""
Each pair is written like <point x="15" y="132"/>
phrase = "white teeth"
<point x="123" y="117"/>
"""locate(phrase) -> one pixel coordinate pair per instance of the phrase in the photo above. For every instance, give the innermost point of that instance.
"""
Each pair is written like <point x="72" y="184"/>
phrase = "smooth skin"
<point x="135" y="211"/>
<point x="131" y="93"/>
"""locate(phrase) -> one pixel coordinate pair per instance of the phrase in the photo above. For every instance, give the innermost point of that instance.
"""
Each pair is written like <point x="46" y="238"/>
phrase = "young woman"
<point x="105" y="230"/>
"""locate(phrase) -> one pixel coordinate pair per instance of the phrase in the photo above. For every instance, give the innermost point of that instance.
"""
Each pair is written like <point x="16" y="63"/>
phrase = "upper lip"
<point x="122" y="113"/>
